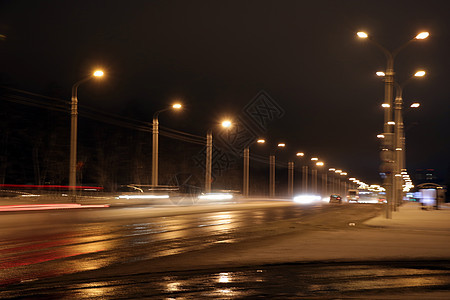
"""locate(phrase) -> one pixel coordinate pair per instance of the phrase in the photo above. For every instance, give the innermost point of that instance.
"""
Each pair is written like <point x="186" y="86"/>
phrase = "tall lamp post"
<point x="291" y="171"/>
<point x="398" y="142"/>
<point x="399" y="138"/>
<point x="272" y="167"/>
<point x="208" y="164"/>
<point x="290" y="179"/>
<point x="155" y="146"/>
<point x="74" y="129"/>
<point x="314" y="175"/>
<point x="387" y="128"/>
<point x="344" y="183"/>
<point x="246" y="179"/>
<point x="324" y="189"/>
<point x="338" y="182"/>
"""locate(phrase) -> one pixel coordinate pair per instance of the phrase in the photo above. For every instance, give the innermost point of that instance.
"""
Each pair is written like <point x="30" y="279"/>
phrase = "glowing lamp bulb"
<point x="362" y="35"/>
<point x="226" y="124"/>
<point x="422" y="35"/>
<point x="98" y="73"/>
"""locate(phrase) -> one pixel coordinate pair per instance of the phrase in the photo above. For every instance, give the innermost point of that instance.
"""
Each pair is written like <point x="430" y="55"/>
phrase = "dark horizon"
<point x="217" y="56"/>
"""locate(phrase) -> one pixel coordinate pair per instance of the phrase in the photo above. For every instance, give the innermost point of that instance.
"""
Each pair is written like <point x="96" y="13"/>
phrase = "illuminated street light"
<point x="98" y="73"/>
<point x="380" y="74"/>
<point x="291" y="175"/>
<point x="422" y="35"/>
<point x="389" y="91"/>
<point x="74" y="129"/>
<point x="362" y="34"/>
<point x="155" y="146"/>
<point x="246" y="181"/>
<point x="399" y="137"/>
<point x="380" y="136"/>
<point x="226" y="124"/>
<point x="420" y="74"/>
<point x="208" y="165"/>
<point x="272" y="167"/>
<point x="415" y="105"/>
<point x="317" y="163"/>
<point x="385" y="105"/>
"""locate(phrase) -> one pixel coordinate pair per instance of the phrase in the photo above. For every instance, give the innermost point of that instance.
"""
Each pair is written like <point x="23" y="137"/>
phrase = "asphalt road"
<point x="129" y="252"/>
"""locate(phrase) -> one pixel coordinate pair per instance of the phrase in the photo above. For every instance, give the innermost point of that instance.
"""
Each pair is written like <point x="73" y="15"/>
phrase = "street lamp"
<point x="344" y="188"/>
<point x="314" y="175"/>
<point x="388" y="92"/>
<point x="338" y="181"/>
<point x="208" y="171"/>
<point x="333" y="181"/>
<point x="272" y="167"/>
<point x="74" y="129"/>
<point x="155" y="146"/>
<point x="246" y="181"/>
<point x="291" y="171"/>
<point x="399" y="139"/>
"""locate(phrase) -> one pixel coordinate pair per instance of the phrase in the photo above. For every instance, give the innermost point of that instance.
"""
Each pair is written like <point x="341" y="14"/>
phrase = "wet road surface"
<point x="37" y="245"/>
<point x="388" y="280"/>
<point x="42" y="254"/>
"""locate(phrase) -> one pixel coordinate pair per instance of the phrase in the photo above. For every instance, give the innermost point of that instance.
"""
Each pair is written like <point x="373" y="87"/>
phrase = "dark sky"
<point x="217" y="55"/>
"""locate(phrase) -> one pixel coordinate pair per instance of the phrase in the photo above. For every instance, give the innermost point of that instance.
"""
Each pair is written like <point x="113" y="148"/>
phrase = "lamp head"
<point x="98" y="73"/>
<point x="226" y="124"/>
<point x="422" y="35"/>
<point x="420" y="73"/>
<point x="362" y="35"/>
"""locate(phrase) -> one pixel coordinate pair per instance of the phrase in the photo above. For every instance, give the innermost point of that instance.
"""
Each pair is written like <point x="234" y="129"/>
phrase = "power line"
<point x="98" y="115"/>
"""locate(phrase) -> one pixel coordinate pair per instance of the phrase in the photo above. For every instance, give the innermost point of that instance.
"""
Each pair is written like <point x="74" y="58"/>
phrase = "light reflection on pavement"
<point x="57" y="243"/>
<point x="388" y="280"/>
<point x="34" y="256"/>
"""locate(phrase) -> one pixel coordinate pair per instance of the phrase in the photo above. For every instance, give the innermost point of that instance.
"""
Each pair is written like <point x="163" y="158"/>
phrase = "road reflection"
<point x="285" y="281"/>
<point x="51" y="244"/>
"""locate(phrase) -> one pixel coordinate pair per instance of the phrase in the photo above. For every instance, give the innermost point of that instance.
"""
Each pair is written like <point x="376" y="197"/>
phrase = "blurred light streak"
<point x="27" y="207"/>
<point x="143" y="197"/>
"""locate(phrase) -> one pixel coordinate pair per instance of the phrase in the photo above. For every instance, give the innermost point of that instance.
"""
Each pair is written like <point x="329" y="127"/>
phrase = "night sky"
<point x="216" y="56"/>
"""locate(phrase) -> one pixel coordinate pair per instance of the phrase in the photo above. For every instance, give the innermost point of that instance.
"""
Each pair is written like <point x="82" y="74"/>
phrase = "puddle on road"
<point x="291" y="281"/>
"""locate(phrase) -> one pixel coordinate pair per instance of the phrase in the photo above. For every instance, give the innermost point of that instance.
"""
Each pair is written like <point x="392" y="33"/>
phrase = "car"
<point x="335" y="199"/>
<point x="353" y="196"/>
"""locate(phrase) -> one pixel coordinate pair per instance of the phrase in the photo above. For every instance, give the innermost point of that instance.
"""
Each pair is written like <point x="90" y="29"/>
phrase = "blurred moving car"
<point x="353" y="196"/>
<point x="335" y="199"/>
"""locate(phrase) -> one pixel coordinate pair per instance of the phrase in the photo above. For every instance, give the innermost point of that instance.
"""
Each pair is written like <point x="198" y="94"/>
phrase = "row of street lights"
<point x="208" y="169"/>
<point x="305" y="174"/>
<point x="391" y="163"/>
